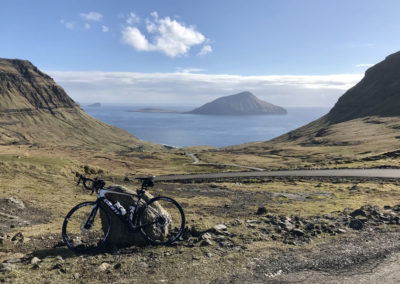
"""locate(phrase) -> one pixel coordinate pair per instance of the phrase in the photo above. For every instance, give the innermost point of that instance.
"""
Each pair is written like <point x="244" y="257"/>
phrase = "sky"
<point x="161" y="52"/>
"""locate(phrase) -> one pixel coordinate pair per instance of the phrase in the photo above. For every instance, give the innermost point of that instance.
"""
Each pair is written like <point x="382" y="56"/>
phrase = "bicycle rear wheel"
<point x="161" y="221"/>
<point x="86" y="227"/>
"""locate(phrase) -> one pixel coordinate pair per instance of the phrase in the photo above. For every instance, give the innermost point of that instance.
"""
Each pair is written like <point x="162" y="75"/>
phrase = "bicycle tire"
<point x="82" y="236"/>
<point x="161" y="227"/>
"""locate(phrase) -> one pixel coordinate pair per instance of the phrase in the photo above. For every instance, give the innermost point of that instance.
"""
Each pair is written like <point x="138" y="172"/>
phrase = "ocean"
<point x="180" y="130"/>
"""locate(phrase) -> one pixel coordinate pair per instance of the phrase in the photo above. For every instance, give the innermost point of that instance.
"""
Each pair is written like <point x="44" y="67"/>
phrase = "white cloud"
<point x="86" y="26"/>
<point x="104" y="29"/>
<point x="133" y="37"/>
<point x="205" y="50"/>
<point x="165" y="35"/>
<point x="92" y="16"/>
<point x="68" y="25"/>
<point x="188" y="70"/>
<point x="194" y="89"/>
<point x="364" y="65"/>
<point x="132" y="19"/>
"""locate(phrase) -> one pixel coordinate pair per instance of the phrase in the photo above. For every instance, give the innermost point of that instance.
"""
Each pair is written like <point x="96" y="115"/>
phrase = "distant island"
<point x="244" y="103"/>
<point x="94" y="105"/>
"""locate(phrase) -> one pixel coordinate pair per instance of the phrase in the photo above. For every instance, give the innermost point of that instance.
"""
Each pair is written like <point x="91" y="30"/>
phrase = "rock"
<point x="57" y="266"/>
<point x="220" y="227"/>
<point x="206" y="242"/>
<point x="118" y="266"/>
<point x="287" y="225"/>
<point x="14" y="260"/>
<point x="76" y="275"/>
<point x="309" y="226"/>
<point x="19" y="237"/>
<point x="237" y="222"/>
<point x="206" y="236"/>
<point x="35" y="260"/>
<point x="358" y="212"/>
<point x="36" y="266"/>
<point x="104" y="266"/>
<point x="356" y="224"/>
<point x="16" y="202"/>
<point x="297" y="232"/>
<point x="143" y="264"/>
<point x="354" y="188"/>
<point x="5" y="267"/>
<point x="341" y="231"/>
<point x="261" y="210"/>
<point x="120" y="234"/>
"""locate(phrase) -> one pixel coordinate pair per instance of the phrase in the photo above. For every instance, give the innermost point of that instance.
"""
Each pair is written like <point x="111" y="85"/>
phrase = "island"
<point x="244" y="103"/>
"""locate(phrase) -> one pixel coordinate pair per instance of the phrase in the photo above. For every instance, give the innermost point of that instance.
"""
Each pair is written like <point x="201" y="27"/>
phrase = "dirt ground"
<point x="273" y="230"/>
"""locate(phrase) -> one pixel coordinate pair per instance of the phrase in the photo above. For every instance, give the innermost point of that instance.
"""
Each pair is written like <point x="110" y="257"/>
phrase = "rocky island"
<point x="244" y="103"/>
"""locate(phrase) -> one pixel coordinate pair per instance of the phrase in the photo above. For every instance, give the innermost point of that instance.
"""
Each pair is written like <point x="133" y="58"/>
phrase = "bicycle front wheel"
<point x="161" y="221"/>
<point x="86" y="227"/>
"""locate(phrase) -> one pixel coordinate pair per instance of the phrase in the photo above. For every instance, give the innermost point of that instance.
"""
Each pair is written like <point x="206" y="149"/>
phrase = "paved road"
<point x="383" y="272"/>
<point x="357" y="173"/>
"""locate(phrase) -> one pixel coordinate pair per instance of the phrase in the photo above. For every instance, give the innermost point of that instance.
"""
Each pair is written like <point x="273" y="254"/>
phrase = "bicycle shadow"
<point x="64" y="252"/>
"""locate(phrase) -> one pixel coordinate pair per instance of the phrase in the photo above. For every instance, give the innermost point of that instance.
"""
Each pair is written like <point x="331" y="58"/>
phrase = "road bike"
<point x="87" y="226"/>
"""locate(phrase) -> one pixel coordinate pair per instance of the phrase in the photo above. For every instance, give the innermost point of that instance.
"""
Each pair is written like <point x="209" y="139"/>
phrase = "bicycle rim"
<point x="86" y="227"/>
<point x="162" y="220"/>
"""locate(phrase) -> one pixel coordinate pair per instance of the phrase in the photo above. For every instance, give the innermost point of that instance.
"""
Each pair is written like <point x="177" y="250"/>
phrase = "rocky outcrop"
<point x="244" y="103"/>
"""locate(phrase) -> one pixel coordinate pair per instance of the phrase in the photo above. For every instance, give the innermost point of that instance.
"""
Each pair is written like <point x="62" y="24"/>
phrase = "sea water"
<point x="180" y="130"/>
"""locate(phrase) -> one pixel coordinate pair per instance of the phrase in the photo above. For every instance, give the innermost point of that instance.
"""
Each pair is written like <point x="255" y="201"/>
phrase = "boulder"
<point x="120" y="234"/>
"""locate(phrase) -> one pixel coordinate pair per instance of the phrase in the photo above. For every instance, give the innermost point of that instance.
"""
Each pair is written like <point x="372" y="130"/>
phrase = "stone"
<point x="104" y="266"/>
<point x="341" y="231"/>
<point x="18" y="237"/>
<point x="287" y="225"/>
<point x="309" y="226"/>
<point x="16" y="202"/>
<point x="261" y="210"/>
<point x="237" y="222"/>
<point x="358" y="212"/>
<point x="143" y="264"/>
<point x="220" y="227"/>
<point x="35" y="260"/>
<point x="297" y="232"/>
<point x="117" y="266"/>
<point x="356" y="224"/>
<point x="6" y="267"/>
<point x="206" y="236"/>
<point x="57" y="266"/>
<point x="206" y="242"/>
<point x="120" y="234"/>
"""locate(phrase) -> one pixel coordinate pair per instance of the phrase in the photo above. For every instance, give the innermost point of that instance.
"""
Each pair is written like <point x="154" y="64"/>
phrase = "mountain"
<point x="378" y="93"/>
<point x="35" y="110"/>
<point x="244" y="103"/>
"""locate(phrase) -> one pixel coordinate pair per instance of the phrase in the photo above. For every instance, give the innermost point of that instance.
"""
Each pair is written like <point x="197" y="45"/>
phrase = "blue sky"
<point x="292" y="52"/>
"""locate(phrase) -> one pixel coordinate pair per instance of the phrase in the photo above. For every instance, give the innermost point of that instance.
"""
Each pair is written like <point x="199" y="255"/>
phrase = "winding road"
<point x="349" y="173"/>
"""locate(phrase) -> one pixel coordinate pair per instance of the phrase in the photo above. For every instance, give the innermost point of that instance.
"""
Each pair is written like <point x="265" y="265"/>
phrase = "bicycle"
<point x="87" y="226"/>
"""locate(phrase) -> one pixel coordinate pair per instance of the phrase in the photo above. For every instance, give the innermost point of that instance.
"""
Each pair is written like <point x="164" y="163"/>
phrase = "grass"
<point x="43" y="177"/>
